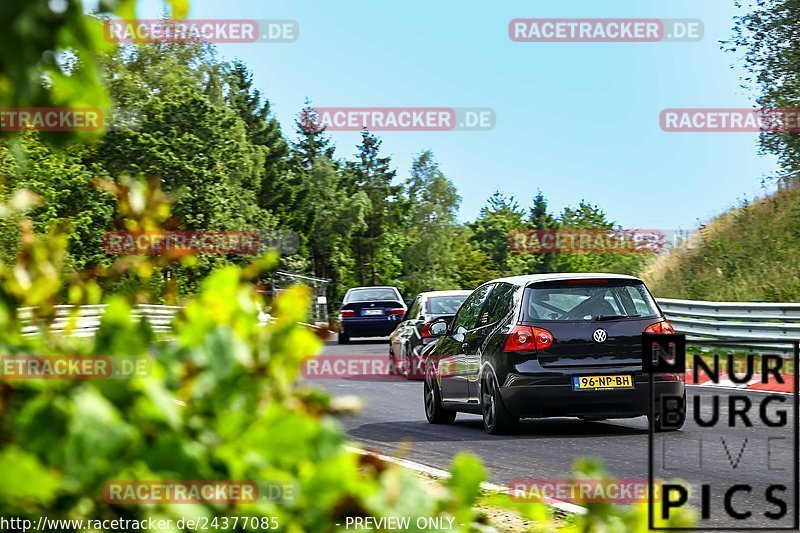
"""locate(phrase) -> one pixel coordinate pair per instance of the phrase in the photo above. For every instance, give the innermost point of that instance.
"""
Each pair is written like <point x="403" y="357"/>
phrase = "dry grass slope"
<point x="750" y="253"/>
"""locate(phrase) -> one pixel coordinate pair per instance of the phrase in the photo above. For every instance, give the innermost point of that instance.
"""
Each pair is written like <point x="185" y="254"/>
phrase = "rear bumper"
<point x="368" y="327"/>
<point x="540" y="396"/>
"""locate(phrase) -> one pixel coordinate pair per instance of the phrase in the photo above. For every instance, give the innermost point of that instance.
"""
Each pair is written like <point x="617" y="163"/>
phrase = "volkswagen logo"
<point x="599" y="335"/>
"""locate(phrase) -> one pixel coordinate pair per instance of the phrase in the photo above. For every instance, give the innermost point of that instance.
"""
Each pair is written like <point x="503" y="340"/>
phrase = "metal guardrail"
<point x="86" y="320"/>
<point x="723" y="321"/>
<point x="741" y="321"/>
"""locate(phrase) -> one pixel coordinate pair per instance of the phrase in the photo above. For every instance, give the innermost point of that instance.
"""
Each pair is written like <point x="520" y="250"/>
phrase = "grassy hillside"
<point x="750" y="253"/>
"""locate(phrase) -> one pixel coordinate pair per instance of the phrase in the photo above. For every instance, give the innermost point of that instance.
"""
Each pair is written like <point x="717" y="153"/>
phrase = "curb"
<point x="754" y="385"/>
<point x="561" y="508"/>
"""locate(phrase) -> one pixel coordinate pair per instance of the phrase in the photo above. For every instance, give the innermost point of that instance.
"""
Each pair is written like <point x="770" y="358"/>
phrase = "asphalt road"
<point x="393" y="422"/>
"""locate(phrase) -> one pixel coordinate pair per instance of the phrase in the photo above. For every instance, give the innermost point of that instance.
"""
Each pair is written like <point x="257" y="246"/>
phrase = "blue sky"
<point x="576" y="120"/>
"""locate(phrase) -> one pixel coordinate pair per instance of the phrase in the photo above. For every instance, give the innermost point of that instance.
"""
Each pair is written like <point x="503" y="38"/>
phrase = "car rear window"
<point x="588" y="300"/>
<point x="445" y="305"/>
<point x="371" y="294"/>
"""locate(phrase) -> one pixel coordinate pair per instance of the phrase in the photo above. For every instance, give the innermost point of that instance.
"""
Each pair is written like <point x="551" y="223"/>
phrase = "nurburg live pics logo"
<point x="752" y="481"/>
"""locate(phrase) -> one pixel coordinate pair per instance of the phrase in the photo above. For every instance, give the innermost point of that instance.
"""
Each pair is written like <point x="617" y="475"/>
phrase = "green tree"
<point x="587" y="216"/>
<point x="279" y="189"/>
<point x="472" y="266"/>
<point x="376" y="255"/>
<point x="429" y="257"/>
<point x="312" y="141"/>
<point x="332" y="216"/>
<point x="37" y="33"/>
<point x="541" y="219"/>
<point x="501" y="216"/>
<point x="67" y="196"/>
<point x="766" y="38"/>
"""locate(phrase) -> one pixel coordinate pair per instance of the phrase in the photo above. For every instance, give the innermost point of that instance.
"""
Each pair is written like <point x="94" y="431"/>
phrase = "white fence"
<point x="751" y="322"/>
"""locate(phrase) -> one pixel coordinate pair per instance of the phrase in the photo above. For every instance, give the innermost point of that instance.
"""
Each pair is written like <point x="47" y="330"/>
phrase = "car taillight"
<point x="348" y="312"/>
<point x="426" y="331"/>
<point x="660" y="327"/>
<point x="528" y="339"/>
<point x="400" y="312"/>
<point x="543" y="338"/>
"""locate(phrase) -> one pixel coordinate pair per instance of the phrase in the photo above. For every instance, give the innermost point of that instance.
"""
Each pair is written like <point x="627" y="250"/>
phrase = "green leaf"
<point x="24" y="479"/>
<point x="467" y="474"/>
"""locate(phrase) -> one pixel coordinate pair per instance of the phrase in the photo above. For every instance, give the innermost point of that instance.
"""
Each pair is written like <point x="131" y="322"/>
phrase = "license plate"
<point x="372" y="312"/>
<point x="602" y="382"/>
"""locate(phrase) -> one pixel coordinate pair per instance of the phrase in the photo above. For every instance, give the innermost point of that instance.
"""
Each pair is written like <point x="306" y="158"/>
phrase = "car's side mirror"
<point x="438" y="328"/>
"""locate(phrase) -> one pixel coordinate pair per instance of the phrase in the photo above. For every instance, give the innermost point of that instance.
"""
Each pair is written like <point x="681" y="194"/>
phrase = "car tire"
<point x="496" y="418"/>
<point x="344" y="338"/>
<point x="434" y="411"/>
<point x="660" y="427"/>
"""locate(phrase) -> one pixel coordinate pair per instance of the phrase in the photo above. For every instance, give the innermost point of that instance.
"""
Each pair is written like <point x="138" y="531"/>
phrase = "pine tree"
<point x="432" y="226"/>
<point x="373" y="175"/>
<point x="541" y="219"/>
<point x="490" y="231"/>
<point x="279" y="190"/>
<point x="312" y="141"/>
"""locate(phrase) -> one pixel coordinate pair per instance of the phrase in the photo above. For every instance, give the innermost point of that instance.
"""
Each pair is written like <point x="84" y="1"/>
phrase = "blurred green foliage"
<point x="223" y="398"/>
<point x="49" y="54"/>
<point x="223" y="401"/>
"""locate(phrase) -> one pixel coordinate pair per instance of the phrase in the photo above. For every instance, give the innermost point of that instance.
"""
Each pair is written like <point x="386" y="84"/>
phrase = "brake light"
<point x="586" y="281"/>
<point x="347" y="312"/>
<point x="528" y="339"/>
<point x="426" y="331"/>
<point x="543" y="338"/>
<point x="400" y="312"/>
<point x="660" y="327"/>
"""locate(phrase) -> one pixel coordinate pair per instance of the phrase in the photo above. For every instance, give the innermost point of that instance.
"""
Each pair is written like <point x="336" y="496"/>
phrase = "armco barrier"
<point x="742" y="321"/>
<point x="86" y="321"/>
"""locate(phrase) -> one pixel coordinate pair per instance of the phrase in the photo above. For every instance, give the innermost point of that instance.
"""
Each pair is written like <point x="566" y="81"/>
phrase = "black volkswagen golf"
<point x="548" y="345"/>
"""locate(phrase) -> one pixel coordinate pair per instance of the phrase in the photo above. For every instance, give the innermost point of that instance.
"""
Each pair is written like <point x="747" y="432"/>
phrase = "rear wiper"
<point x="600" y="318"/>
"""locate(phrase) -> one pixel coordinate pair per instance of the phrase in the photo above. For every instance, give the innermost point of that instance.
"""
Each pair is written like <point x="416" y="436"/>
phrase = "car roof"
<point x="559" y="276"/>
<point x="371" y="287"/>
<point x="433" y="294"/>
